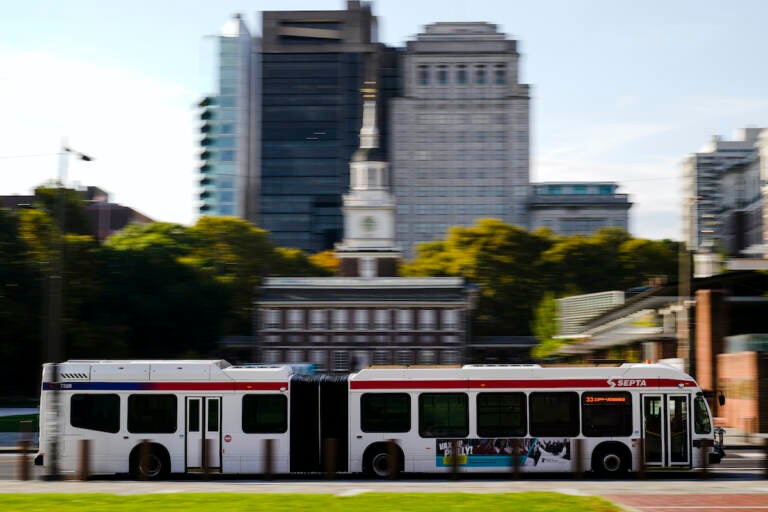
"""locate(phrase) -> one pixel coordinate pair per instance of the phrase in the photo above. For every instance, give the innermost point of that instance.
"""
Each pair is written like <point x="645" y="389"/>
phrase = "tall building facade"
<point x="460" y="132"/>
<point x="578" y="208"/>
<point x="313" y="63"/>
<point x="230" y="128"/>
<point x="702" y="175"/>
<point x="366" y="316"/>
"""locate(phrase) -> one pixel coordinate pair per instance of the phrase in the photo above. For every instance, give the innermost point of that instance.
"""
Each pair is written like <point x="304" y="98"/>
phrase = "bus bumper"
<point x="39" y="459"/>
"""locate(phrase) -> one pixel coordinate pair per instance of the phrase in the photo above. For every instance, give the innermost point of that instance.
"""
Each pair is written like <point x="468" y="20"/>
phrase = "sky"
<point x="620" y="90"/>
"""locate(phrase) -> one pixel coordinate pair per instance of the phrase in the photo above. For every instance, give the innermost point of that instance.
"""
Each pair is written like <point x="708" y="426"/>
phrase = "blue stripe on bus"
<point x="100" y="386"/>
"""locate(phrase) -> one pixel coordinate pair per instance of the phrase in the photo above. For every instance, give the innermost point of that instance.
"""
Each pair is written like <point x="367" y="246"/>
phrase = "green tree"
<point x="501" y="259"/>
<point x="56" y="201"/>
<point x="544" y="326"/>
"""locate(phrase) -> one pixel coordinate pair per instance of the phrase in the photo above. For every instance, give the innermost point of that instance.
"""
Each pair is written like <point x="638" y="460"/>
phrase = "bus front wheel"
<point x="150" y="463"/>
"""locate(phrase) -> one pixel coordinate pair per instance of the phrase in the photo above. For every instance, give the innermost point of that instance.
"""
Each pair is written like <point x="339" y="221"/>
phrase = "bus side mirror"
<point x="721" y="399"/>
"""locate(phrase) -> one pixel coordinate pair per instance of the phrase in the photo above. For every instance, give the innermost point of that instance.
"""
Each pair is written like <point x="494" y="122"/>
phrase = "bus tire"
<point x="155" y="466"/>
<point x="377" y="460"/>
<point x="611" y="459"/>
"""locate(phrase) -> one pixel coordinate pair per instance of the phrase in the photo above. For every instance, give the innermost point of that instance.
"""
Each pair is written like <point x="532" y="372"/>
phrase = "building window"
<point x="404" y="357"/>
<point x="427" y="357"/>
<point x="423" y="75"/>
<point x="404" y="319"/>
<point x="404" y="338"/>
<point x="339" y="318"/>
<point x="359" y="360"/>
<point x="450" y="339"/>
<point x="427" y="320"/>
<point x="340" y="338"/>
<point x="361" y="319"/>
<point x="382" y="319"/>
<point x="500" y="74"/>
<point x="340" y="361"/>
<point x="318" y="359"/>
<point x="316" y="338"/>
<point x="450" y="357"/>
<point x="318" y="319"/>
<point x="381" y="357"/>
<point x="461" y="74"/>
<point x="367" y="267"/>
<point x="272" y="356"/>
<point x="480" y="77"/>
<point x="295" y="356"/>
<point x="271" y="318"/>
<point x="442" y="75"/>
<point x="295" y="319"/>
<point x="273" y="338"/>
<point x="450" y="319"/>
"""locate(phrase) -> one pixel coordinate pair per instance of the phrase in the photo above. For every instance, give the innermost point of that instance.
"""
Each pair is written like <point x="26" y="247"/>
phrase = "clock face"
<point x="368" y="223"/>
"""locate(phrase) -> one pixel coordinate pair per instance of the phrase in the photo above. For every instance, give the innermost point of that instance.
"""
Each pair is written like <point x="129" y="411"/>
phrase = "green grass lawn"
<point x="366" y="502"/>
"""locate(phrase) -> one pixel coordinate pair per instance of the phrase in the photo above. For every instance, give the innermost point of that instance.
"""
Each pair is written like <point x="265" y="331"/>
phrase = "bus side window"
<point x="501" y="414"/>
<point x="385" y="412"/>
<point x="554" y="414"/>
<point x="95" y="412"/>
<point x="265" y="414"/>
<point x="152" y="414"/>
<point x="443" y="415"/>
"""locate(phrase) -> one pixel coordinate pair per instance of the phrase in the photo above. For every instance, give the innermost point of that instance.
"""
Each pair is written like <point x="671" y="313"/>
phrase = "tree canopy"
<point x="515" y="269"/>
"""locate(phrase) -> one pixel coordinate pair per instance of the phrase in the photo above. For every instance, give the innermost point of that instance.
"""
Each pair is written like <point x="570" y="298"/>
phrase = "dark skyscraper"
<point x="313" y="63"/>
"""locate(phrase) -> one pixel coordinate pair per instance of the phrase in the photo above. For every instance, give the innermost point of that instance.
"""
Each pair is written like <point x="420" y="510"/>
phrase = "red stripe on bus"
<point x="614" y="383"/>
<point x="219" y="386"/>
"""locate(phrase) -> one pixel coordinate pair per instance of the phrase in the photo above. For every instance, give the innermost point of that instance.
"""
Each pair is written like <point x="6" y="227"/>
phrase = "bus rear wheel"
<point x="380" y="460"/>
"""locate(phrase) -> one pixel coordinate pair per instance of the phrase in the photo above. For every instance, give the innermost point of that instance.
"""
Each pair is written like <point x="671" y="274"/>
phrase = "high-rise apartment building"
<point x="460" y="132"/>
<point x="702" y="174"/>
<point x="230" y="128"/>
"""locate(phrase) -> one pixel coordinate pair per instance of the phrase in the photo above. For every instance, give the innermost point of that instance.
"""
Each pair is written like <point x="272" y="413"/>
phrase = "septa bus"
<point x="479" y="418"/>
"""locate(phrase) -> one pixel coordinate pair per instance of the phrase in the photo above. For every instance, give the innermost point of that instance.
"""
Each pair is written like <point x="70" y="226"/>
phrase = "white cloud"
<point x="140" y="131"/>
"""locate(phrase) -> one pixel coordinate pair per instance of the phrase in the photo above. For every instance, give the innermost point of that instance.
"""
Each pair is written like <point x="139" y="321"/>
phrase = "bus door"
<point x="203" y="434"/>
<point x="678" y="433"/>
<point x="665" y="430"/>
<point x="654" y="431"/>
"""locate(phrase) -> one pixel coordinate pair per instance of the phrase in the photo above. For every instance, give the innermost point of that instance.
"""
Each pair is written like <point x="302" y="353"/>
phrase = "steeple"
<point x="369" y="133"/>
<point x="368" y="248"/>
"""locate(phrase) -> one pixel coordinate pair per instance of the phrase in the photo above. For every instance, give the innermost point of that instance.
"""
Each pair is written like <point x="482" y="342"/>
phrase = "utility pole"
<point x="55" y="334"/>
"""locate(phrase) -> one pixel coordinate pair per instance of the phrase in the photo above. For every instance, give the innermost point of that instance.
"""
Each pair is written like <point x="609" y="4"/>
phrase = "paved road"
<point x="738" y="486"/>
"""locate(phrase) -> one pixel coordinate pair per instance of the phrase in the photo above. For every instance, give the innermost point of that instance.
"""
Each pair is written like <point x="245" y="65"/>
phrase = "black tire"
<point x="380" y="459"/>
<point x="380" y="464"/>
<point x="610" y="461"/>
<point x="155" y="465"/>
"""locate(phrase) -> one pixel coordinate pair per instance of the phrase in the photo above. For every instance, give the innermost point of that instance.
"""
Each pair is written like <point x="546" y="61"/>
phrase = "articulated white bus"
<point x="210" y="415"/>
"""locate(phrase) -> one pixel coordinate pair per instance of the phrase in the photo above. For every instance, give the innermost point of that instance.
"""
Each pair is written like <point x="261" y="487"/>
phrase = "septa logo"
<point x="626" y="383"/>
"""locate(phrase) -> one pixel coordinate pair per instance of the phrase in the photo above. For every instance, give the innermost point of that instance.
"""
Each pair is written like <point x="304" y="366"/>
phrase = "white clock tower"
<point x="368" y="248"/>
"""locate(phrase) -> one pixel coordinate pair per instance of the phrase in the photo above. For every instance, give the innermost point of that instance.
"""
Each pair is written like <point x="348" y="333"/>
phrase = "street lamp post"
<point x="55" y="333"/>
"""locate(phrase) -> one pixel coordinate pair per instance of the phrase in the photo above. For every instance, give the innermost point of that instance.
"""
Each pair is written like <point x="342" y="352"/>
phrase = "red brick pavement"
<point x="687" y="502"/>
